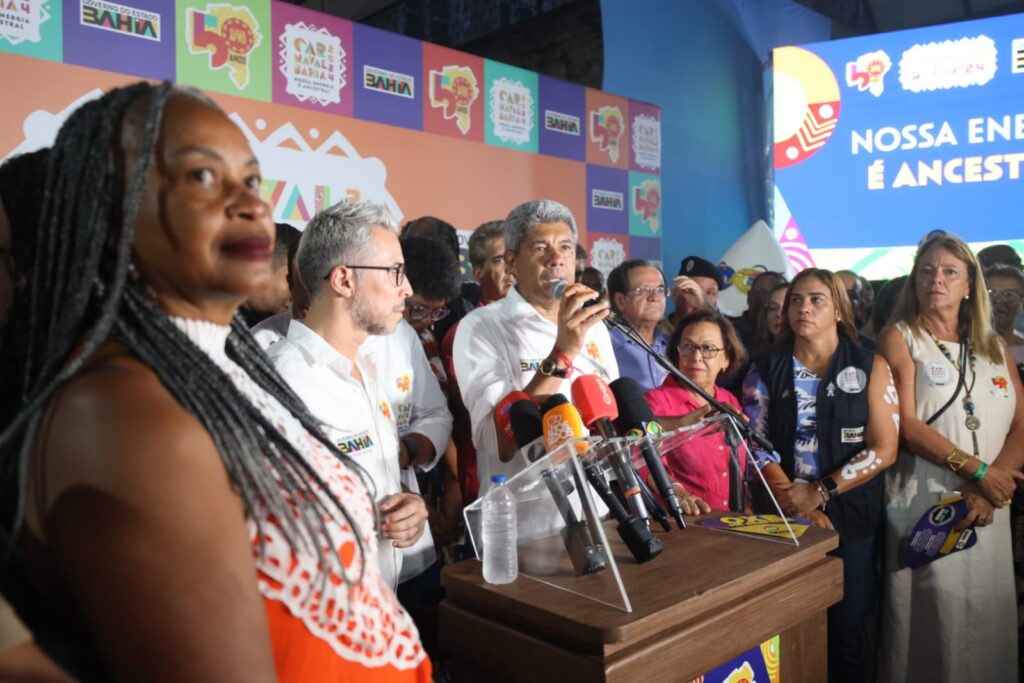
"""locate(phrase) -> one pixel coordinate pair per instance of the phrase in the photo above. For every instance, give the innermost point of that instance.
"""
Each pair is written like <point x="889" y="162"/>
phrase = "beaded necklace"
<point x="972" y="421"/>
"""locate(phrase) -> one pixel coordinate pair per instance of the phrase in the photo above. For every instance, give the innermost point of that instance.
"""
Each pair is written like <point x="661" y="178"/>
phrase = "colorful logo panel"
<point x="312" y="60"/>
<point x="32" y="28"/>
<point x="806" y="105"/>
<point x="511" y="106"/>
<point x="388" y="72"/>
<point x="226" y="47"/>
<point x="454" y="104"/>
<point x="644" y="205"/>
<point x="130" y="36"/>
<point x="607" y="199"/>
<point x="868" y="72"/>
<point x="605" y="250"/>
<point x="608" y="135"/>
<point x="563" y="119"/>
<point x="645" y="137"/>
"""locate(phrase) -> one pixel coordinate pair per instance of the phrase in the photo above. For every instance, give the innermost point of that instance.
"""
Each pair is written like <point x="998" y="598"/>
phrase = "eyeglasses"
<point x="1007" y="294"/>
<point x="647" y="291"/>
<point x="397" y="271"/>
<point x="419" y="312"/>
<point x="706" y="350"/>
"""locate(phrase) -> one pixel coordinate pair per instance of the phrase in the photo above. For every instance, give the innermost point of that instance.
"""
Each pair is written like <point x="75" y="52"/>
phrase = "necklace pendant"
<point x="972" y="423"/>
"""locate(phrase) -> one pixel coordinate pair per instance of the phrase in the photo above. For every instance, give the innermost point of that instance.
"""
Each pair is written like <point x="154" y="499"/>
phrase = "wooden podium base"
<point x="709" y="596"/>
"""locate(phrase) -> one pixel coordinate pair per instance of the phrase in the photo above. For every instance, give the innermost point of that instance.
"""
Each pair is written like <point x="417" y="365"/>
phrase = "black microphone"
<point x="636" y="418"/>
<point x="524" y="417"/>
<point x="597" y="406"/>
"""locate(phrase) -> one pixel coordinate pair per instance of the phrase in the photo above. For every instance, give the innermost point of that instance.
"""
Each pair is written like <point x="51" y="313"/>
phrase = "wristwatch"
<point x="549" y="368"/>
<point x="830" y="487"/>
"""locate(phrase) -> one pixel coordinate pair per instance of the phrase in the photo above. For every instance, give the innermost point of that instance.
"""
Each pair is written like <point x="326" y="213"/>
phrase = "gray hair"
<point x="524" y="216"/>
<point x="484" y="233"/>
<point x="338" y="234"/>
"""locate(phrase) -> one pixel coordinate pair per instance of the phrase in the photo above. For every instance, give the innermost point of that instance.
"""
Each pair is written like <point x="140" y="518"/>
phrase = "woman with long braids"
<point x="157" y="457"/>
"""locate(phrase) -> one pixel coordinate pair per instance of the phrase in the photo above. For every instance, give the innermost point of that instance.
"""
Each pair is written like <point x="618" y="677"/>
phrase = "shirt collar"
<point x="520" y="307"/>
<point x="316" y="350"/>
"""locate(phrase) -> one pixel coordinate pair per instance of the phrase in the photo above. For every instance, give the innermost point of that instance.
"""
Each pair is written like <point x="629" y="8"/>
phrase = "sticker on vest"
<point x="852" y="434"/>
<point x="1000" y="387"/>
<point x="852" y="380"/>
<point x="938" y="374"/>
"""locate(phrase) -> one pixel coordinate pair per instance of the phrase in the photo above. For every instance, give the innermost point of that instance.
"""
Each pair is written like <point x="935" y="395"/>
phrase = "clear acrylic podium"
<point x="563" y="539"/>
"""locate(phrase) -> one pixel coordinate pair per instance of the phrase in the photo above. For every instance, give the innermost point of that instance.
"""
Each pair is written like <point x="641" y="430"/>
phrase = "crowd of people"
<point x="232" y="446"/>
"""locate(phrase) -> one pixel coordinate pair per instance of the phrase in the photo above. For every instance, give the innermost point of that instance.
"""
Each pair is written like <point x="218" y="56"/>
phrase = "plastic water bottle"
<point x="501" y="559"/>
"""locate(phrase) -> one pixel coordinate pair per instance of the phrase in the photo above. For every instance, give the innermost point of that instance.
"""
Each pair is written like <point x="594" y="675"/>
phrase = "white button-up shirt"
<point x="498" y="349"/>
<point x="357" y="416"/>
<point x="271" y="330"/>
<point x="419" y="407"/>
<point x="409" y="382"/>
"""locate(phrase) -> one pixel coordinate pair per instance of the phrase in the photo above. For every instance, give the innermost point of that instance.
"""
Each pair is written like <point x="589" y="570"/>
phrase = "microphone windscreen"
<point x="501" y="412"/>
<point x="594" y="399"/>
<point x="525" y="420"/>
<point x="558" y="288"/>
<point x="553" y="401"/>
<point x="561" y="424"/>
<point x="634" y="410"/>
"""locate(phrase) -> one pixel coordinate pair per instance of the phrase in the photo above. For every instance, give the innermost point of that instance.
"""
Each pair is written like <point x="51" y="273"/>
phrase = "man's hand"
<point x="402" y="518"/>
<point x="574" y="320"/>
<point x="688" y="295"/>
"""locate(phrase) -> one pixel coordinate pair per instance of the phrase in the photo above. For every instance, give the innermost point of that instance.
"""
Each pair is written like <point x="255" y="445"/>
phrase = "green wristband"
<point x="979" y="474"/>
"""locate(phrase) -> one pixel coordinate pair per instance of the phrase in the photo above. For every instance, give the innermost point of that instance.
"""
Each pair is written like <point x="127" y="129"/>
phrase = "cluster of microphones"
<point x="609" y="412"/>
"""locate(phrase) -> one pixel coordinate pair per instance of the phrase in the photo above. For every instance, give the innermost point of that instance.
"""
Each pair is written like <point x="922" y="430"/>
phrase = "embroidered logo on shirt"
<point x="404" y="382"/>
<point x="360" y="442"/>
<point x="385" y="409"/>
<point x="1000" y="387"/>
<point x="852" y="434"/>
<point x="593" y="351"/>
<point x="526" y="365"/>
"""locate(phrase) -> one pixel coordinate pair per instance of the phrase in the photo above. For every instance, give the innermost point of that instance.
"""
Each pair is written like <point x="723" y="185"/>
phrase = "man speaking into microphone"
<point x="537" y="339"/>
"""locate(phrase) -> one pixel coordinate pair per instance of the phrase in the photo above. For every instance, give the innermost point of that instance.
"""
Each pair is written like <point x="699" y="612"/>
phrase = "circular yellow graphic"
<point x="806" y="103"/>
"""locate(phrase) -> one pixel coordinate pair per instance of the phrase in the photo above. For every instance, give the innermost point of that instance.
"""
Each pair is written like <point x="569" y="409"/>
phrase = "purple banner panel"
<point x="645" y="247"/>
<point x="563" y="119"/>
<point x="645" y="137"/>
<point x="312" y="60"/>
<point x="607" y="199"/>
<point x="134" y="37"/>
<point x="388" y="78"/>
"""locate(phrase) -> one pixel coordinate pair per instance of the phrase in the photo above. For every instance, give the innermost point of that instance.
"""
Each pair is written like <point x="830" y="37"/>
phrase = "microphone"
<point x="637" y="419"/>
<point x="596" y="403"/>
<point x="524" y="418"/>
<point x="558" y="288"/>
<point x="559" y="427"/>
<point x="502" y="419"/>
<point x="562" y="423"/>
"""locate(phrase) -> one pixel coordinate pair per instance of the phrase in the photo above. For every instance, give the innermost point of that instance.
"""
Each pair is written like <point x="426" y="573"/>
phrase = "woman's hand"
<point x="798" y="498"/>
<point x="821" y="520"/>
<point x="691" y="504"/>
<point x="999" y="484"/>
<point x="979" y="510"/>
<point x="402" y="518"/>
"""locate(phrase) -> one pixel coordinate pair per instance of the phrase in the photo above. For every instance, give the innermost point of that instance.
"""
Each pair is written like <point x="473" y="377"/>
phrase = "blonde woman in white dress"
<point x="953" y="619"/>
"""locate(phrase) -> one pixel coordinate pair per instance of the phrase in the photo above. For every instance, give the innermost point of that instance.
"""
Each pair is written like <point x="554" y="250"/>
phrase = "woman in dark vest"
<point x="829" y="407"/>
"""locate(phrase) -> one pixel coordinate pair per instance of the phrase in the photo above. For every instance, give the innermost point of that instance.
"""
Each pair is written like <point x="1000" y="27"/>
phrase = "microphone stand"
<point x="748" y="432"/>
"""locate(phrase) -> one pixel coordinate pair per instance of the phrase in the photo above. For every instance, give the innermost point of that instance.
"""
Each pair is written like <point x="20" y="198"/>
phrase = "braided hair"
<point x="81" y="295"/>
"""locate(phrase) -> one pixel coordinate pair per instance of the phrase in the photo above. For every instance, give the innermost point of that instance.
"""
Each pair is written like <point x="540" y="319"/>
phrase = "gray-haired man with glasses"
<point x="351" y="262"/>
